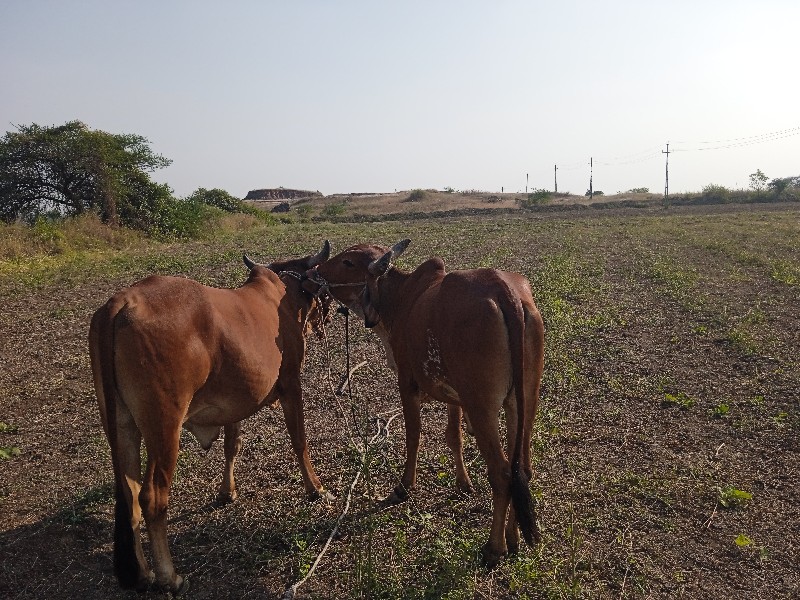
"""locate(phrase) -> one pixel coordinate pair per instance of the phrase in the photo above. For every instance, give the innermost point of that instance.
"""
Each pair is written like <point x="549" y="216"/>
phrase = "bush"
<point x="415" y="196"/>
<point x="639" y="190"/>
<point x="185" y="219"/>
<point x="716" y="194"/>
<point x="334" y="210"/>
<point x="537" y="197"/>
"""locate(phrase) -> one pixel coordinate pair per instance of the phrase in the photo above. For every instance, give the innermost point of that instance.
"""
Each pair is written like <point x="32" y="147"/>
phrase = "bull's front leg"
<point x="233" y="447"/>
<point x="411" y="415"/>
<point x="292" y="404"/>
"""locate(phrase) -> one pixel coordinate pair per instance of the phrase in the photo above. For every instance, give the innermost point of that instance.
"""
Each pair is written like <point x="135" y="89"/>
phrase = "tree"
<point x="72" y="169"/>
<point x="216" y="197"/>
<point x="758" y="180"/>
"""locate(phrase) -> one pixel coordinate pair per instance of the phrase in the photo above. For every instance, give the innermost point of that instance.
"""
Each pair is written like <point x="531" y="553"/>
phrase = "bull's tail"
<point x="101" y="345"/>
<point x="521" y="499"/>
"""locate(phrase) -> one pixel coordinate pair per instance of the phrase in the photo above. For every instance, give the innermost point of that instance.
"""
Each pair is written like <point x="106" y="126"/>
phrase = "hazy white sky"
<point x="346" y="96"/>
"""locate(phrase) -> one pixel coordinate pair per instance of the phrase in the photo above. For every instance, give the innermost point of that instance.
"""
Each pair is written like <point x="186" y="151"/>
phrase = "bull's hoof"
<point x="321" y="494"/>
<point x="145" y="582"/>
<point x="399" y="495"/>
<point x="224" y="498"/>
<point x="181" y="585"/>
<point x="491" y="558"/>
<point x="177" y="588"/>
<point x="465" y="487"/>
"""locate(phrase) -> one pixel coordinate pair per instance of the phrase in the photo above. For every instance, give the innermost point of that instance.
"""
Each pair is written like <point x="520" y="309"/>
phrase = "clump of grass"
<point x="680" y="399"/>
<point x="732" y="498"/>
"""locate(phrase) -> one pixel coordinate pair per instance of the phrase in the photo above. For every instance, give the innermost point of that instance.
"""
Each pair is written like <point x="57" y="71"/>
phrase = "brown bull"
<point x="473" y="339"/>
<point x="169" y="352"/>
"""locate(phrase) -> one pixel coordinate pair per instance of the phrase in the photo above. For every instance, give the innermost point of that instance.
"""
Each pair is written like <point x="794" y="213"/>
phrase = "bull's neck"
<point x="391" y="290"/>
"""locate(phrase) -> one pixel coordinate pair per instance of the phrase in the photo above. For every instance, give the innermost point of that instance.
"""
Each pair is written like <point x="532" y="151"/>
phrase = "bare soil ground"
<point x="668" y="440"/>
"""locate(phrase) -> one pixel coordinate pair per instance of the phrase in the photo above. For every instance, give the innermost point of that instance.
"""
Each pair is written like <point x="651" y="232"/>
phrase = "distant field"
<point x="667" y="446"/>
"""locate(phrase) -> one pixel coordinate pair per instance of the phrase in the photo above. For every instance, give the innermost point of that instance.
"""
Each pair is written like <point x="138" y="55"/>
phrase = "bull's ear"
<point x="380" y="266"/>
<point x="248" y="263"/>
<point x="321" y="256"/>
<point x="399" y="248"/>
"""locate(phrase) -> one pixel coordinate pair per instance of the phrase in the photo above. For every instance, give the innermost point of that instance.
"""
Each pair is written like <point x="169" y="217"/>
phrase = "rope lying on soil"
<point x="382" y="433"/>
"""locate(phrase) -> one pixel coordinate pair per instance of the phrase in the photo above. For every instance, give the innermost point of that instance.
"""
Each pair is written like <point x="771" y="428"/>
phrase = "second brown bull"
<point x="473" y="339"/>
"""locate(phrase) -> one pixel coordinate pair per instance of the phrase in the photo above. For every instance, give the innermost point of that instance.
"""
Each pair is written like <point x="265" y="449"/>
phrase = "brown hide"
<point x="473" y="339"/>
<point x="169" y="352"/>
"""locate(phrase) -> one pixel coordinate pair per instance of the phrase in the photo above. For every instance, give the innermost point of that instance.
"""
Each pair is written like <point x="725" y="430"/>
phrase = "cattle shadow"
<point x="68" y="554"/>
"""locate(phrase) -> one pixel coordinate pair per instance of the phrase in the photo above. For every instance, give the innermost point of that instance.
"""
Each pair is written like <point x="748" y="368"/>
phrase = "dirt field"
<point x="667" y="447"/>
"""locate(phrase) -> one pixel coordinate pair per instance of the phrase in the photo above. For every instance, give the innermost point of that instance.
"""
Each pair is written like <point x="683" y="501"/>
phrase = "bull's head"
<point x="353" y="277"/>
<point x="294" y="265"/>
<point x="319" y="312"/>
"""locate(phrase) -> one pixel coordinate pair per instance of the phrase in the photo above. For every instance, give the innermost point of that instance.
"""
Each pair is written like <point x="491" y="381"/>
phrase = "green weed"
<point x="732" y="498"/>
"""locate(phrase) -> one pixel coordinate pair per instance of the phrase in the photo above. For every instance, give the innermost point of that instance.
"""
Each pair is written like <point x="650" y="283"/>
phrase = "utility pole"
<point x="555" y="177"/>
<point x="526" y="183"/>
<point x="591" y="168"/>
<point x="666" y="182"/>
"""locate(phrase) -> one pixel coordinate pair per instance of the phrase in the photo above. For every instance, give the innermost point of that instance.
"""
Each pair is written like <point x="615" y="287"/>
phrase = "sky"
<point x="354" y="96"/>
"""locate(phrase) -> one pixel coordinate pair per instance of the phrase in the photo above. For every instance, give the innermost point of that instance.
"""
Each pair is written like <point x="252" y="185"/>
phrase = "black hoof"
<point x="491" y="558"/>
<point x="398" y="495"/>
<point x="322" y="494"/>
<point x="225" y="498"/>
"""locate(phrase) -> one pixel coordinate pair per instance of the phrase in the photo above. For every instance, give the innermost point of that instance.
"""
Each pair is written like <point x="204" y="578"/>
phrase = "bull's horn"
<point x="379" y="266"/>
<point x="399" y="248"/>
<point x="323" y="255"/>
<point x="249" y="263"/>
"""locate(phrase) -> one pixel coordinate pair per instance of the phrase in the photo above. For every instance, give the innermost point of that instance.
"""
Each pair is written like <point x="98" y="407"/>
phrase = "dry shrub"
<point x="84" y="232"/>
<point x="238" y="222"/>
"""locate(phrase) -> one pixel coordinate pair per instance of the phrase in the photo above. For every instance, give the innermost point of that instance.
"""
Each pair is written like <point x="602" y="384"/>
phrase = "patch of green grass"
<point x="85" y="504"/>
<point x="720" y="410"/>
<point x="8" y="452"/>
<point x="733" y="498"/>
<point x="679" y="399"/>
<point x="785" y="272"/>
<point x="6" y="428"/>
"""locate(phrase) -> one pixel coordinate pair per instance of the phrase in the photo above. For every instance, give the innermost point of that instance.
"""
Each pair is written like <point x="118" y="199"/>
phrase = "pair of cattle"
<point x="169" y="352"/>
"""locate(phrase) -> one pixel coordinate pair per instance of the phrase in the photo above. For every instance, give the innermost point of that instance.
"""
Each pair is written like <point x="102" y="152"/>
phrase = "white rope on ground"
<point x="292" y="590"/>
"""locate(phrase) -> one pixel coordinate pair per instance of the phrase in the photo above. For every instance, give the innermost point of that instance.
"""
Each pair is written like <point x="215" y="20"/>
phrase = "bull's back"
<point x="457" y="330"/>
<point x="178" y="340"/>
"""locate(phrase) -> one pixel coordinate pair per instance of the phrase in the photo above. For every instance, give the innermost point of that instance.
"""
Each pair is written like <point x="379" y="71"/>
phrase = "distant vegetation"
<point x="51" y="176"/>
<point x="537" y="197"/>
<point x="415" y="196"/>
<point x="52" y="173"/>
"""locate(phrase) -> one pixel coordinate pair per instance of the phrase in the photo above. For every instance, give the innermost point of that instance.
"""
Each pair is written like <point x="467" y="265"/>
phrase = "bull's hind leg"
<point x="487" y="437"/>
<point x="233" y="446"/>
<point x="129" y="561"/>
<point x="512" y="530"/>
<point x="162" y="454"/>
<point x="455" y="442"/>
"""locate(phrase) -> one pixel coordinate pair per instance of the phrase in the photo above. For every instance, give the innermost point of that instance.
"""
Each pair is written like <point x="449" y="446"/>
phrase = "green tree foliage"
<point x="216" y="197"/>
<point x="780" y="185"/>
<point x="758" y="181"/>
<point x="71" y="169"/>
